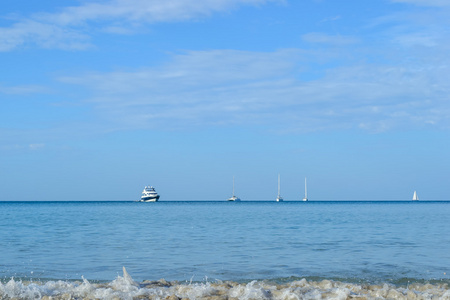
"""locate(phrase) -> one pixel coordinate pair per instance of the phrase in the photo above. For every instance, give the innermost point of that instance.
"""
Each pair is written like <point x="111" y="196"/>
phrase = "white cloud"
<point x="145" y="11"/>
<point x="339" y="40"/>
<point x="70" y="27"/>
<point x="214" y="88"/>
<point x="36" y="146"/>
<point x="22" y="89"/>
<point x="417" y="39"/>
<point x="425" y="2"/>
<point x="42" y="34"/>
<point x="5" y="146"/>
<point x="407" y="87"/>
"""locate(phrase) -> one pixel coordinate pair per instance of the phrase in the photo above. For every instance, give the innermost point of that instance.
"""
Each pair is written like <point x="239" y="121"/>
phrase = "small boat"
<point x="415" y="197"/>
<point x="149" y="194"/>
<point x="279" y="198"/>
<point x="306" y="193"/>
<point x="234" y="198"/>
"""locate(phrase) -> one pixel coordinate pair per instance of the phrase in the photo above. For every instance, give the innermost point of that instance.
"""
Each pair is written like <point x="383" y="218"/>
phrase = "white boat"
<point x="306" y="193"/>
<point x="415" y="197"/>
<point x="279" y="198"/>
<point x="234" y="198"/>
<point x="149" y="194"/>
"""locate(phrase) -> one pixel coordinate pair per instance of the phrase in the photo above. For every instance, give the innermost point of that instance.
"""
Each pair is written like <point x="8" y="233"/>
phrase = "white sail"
<point x="415" y="197"/>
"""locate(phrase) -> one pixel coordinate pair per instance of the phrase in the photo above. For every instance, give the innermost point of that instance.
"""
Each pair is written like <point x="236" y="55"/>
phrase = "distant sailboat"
<point x="234" y="198"/>
<point x="415" y="197"/>
<point x="306" y="193"/>
<point x="279" y="198"/>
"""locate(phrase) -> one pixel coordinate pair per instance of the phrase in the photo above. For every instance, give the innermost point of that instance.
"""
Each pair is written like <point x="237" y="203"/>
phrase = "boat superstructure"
<point x="279" y="198"/>
<point x="149" y="194"/>
<point x="306" y="192"/>
<point x="234" y="197"/>
<point x="415" y="197"/>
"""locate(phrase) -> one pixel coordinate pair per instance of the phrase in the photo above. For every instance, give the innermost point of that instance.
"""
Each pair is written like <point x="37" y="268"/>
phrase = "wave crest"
<point x="124" y="287"/>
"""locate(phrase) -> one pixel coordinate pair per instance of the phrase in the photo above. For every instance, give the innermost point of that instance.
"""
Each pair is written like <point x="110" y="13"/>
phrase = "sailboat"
<point x="279" y="198"/>
<point x="306" y="193"/>
<point x="234" y="198"/>
<point x="415" y="197"/>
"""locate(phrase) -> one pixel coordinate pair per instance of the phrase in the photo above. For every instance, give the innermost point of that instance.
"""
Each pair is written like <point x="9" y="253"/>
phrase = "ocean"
<point x="225" y="250"/>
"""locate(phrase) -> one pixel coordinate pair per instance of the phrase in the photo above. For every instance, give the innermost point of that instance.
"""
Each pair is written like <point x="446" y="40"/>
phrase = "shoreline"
<point x="124" y="287"/>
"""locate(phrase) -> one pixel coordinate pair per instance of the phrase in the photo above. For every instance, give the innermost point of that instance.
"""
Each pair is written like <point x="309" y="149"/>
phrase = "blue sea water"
<point x="375" y="242"/>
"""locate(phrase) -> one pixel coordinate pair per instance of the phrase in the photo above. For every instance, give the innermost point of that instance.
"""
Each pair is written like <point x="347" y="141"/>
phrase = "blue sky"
<point x="99" y="98"/>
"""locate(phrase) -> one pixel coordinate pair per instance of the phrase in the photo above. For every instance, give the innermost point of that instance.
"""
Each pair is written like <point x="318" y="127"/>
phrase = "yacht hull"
<point x="234" y="198"/>
<point x="150" y="199"/>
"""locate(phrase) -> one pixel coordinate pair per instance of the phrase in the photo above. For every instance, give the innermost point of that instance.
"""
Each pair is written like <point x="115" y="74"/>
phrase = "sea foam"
<point x="124" y="287"/>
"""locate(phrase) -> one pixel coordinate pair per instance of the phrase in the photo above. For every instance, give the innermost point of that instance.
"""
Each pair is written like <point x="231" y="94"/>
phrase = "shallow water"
<point x="396" y="243"/>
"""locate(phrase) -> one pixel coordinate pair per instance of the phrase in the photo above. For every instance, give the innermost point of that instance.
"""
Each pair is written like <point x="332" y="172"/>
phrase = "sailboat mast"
<point x="233" y="186"/>
<point x="306" y="193"/>
<point x="278" y="185"/>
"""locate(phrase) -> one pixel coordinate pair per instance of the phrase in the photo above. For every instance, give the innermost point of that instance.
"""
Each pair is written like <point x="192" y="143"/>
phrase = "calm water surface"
<point x="368" y="241"/>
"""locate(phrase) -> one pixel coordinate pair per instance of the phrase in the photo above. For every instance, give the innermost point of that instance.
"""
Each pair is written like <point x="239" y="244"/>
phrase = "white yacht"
<point x="234" y="198"/>
<point x="279" y="198"/>
<point x="306" y="193"/>
<point x="415" y="197"/>
<point x="149" y="194"/>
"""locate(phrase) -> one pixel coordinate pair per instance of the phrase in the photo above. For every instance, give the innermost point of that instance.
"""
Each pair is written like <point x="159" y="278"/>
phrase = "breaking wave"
<point x="124" y="287"/>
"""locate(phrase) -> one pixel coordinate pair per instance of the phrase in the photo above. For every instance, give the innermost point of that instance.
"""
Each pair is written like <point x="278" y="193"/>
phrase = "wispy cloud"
<point x="145" y="11"/>
<point x="44" y="35"/>
<point x="36" y="146"/>
<point x="224" y="87"/>
<point x="22" y="89"/>
<point x="70" y="27"/>
<point x="425" y="2"/>
<point x="317" y="37"/>
<point x="204" y="87"/>
<point x="405" y="88"/>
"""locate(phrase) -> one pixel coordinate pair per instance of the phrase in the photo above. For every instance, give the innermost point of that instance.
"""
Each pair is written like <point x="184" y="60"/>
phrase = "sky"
<point x="100" y="98"/>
